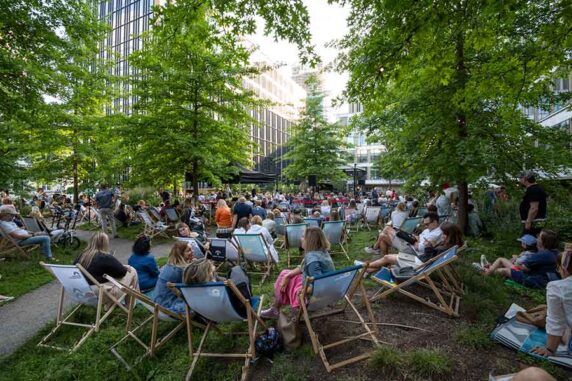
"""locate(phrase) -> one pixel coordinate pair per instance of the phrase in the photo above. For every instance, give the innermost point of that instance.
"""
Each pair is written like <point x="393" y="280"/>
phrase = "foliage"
<point x="430" y="363"/>
<point x="443" y="86"/>
<point x="316" y="146"/>
<point x="387" y="359"/>
<point x="192" y="113"/>
<point x="473" y="337"/>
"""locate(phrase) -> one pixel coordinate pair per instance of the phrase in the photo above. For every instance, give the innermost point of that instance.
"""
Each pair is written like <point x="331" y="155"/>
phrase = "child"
<point x="528" y="243"/>
<point x="289" y="284"/>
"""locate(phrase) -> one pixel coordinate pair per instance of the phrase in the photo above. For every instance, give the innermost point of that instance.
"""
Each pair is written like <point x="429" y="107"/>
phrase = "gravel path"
<point x="28" y="314"/>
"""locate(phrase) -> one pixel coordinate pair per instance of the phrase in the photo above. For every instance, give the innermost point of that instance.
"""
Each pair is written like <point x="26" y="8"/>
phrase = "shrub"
<point x="429" y="364"/>
<point x="387" y="359"/>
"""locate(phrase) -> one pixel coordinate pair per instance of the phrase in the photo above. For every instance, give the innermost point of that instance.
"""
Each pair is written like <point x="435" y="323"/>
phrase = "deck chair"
<point x="197" y="252"/>
<point x="410" y="224"/>
<point x="155" y="214"/>
<point x="9" y="245"/>
<point x="172" y="216"/>
<point x="153" y="229"/>
<point x="293" y="238"/>
<point x="255" y="251"/>
<point x="158" y="314"/>
<point x="371" y="216"/>
<point x="422" y="275"/>
<point x="312" y="222"/>
<point x="335" y="232"/>
<point x="32" y="224"/>
<point x="327" y="290"/>
<point x="212" y="301"/>
<point x="73" y="279"/>
<point x="223" y="251"/>
<point x="421" y="211"/>
<point x="280" y="230"/>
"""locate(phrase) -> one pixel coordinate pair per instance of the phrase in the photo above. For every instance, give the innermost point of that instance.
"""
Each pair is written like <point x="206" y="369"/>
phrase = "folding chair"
<point x="410" y="224"/>
<point x="9" y="245"/>
<point x="385" y="213"/>
<point x="223" y="251"/>
<point x="172" y="216"/>
<point x="73" y="279"/>
<point x="152" y="229"/>
<point x="155" y="213"/>
<point x="32" y="224"/>
<point x="422" y="276"/>
<point x="326" y="290"/>
<point x="158" y="314"/>
<point x="212" y="301"/>
<point x="335" y="232"/>
<point x="312" y="222"/>
<point x="293" y="238"/>
<point x="421" y="211"/>
<point x="280" y="230"/>
<point x="255" y="251"/>
<point x="371" y="216"/>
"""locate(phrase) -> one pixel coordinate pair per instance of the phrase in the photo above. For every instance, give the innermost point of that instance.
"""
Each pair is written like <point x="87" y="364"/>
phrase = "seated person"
<point x="23" y="237"/>
<point x="559" y="311"/>
<point x="289" y="284"/>
<point x="414" y="209"/>
<point x="399" y="215"/>
<point x="270" y="224"/>
<point x="180" y="256"/>
<point x="325" y="209"/>
<point x="200" y="270"/>
<point x="258" y="210"/>
<point x="528" y="243"/>
<point x="452" y="236"/>
<point x="184" y="231"/>
<point x="475" y="225"/>
<point x="257" y="228"/>
<point x="388" y="238"/>
<point x="144" y="263"/>
<point x="351" y="212"/>
<point x="97" y="260"/>
<point x="317" y="216"/>
<point x="122" y="215"/>
<point x="334" y="215"/>
<point x="535" y="270"/>
<point x="242" y="227"/>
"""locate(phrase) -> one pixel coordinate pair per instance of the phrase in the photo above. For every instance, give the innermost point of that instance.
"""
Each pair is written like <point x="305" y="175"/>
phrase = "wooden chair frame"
<point x="252" y="319"/>
<point x="151" y="228"/>
<point x="366" y="222"/>
<point x="266" y="266"/>
<point x="423" y="278"/>
<point x="9" y="245"/>
<point x="370" y="333"/>
<point x="100" y="316"/>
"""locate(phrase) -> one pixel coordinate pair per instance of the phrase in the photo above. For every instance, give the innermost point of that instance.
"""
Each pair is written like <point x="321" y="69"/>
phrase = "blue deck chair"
<point x="385" y="213"/>
<point x="389" y="280"/>
<point x="410" y="224"/>
<point x="335" y="232"/>
<point x="212" y="301"/>
<point x="330" y="289"/>
<point x="293" y="239"/>
<point x="421" y="211"/>
<point x="197" y="252"/>
<point x="371" y="216"/>
<point x="73" y="279"/>
<point x="223" y="251"/>
<point x="313" y="222"/>
<point x="255" y="251"/>
<point x="280" y="229"/>
<point x="172" y="216"/>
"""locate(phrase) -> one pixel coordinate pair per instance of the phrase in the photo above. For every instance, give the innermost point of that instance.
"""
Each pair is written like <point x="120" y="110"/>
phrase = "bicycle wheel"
<point x="72" y="242"/>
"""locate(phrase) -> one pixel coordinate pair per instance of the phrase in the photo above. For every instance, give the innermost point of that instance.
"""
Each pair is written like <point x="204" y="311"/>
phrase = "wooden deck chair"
<point x="152" y="229"/>
<point x="422" y="276"/>
<point x="312" y="222"/>
<point x="255" y="251"/>
<point x="212" y="301"/>
<point x="153" y="212"/>
<point x="385" y="213"/>
<point x="172" y="216"/>
<point x="73" y="279"/>
<point x="410" y="224"/>
<point x="327" y="290"/>
<point x="421" y="211"/>
<point x="223" y="251"/>
<point x="9" y="246"/>
<point x="158" y="314"/>
<point x="335" y="232"/>
<point x="293" y="239"/>
<point x="371" y="216"/>
<point x="32" y="224"/>
<point x="280" y="230"/>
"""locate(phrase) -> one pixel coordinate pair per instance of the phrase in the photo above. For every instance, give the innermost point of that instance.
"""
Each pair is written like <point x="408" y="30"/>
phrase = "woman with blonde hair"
<point x="257" y="228"/>
<point x="289" y="284"/>
<point x="97" y="260"/>
<point x="200" y="270"/>
<point x="179" y="257"/>
<point x="223" y="219"/>
<point x="399" y="215"/>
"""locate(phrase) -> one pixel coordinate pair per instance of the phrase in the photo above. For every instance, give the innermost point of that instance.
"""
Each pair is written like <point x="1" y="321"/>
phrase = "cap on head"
<point x="528" y="240"/>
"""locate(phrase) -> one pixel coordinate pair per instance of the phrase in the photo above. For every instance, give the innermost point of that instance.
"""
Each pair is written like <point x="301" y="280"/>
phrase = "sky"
<point x="327" y="23"/>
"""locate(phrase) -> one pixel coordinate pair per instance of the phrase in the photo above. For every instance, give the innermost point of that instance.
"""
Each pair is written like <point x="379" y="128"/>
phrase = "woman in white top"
<point x="257" y="228"/>
<point x="325" y="209"/>
<point x="399" y="215"/>
<point x="559" y="314"/>
<point x="270" y="224"/>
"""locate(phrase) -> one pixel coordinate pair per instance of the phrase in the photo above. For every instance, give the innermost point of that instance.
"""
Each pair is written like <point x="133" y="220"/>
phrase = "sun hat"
<point x="8" y="209"/>
<point x="527" y="239"/>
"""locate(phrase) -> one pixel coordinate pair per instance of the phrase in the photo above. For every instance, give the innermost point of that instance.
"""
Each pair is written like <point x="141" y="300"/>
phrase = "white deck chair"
<point x="255" y="251"/>
<point x="293" y="238"/>
<point x="74" y="283"/>
<point x="335" y="232"/>
<point x="371" y="216"/>
<point x="152" y="229"/>
<point x="223" y="251"/>
<point x="326" y="290"/>
<point x="213" y="302"/>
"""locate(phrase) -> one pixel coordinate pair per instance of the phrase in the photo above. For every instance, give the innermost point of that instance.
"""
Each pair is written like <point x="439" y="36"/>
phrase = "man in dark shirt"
<point x="105" y="201"/>
<point x="241" y="209"/>
<point x="533" y="204"/>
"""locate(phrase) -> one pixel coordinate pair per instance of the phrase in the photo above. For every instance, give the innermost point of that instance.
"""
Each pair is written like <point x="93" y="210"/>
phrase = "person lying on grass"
<point x="452" y="236"/>
<point x="534" y="270"/>
<point x="559" y="311"/>
<point x="289" y="284"/>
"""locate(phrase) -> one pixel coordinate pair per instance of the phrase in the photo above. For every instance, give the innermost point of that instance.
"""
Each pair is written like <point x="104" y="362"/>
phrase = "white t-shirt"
<point x="559" y="302"/>
<point x="270" y="225"/>
<point x="433" y="236"/>
<point x="397" y="218"/>
<point x="10" y="227"/>
<point x="257" y="229"/>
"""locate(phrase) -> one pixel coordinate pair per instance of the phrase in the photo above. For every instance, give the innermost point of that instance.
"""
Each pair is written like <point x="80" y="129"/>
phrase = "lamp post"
<point x="355" y="181"/>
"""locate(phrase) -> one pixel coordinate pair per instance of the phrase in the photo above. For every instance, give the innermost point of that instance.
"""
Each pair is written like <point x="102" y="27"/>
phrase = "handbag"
<point x="535" y="316"/>
<point x="289" y="330"/>
<point x="406" y="237"/>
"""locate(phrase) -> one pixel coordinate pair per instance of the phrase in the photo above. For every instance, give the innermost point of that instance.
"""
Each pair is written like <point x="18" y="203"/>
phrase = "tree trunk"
<point x="75" y="179"/>
<point x="462" y="185"/>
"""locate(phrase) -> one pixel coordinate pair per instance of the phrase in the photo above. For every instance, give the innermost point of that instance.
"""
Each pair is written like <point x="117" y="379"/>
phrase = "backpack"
<point x="268" y="343"/>
<point x="240" y="278"/>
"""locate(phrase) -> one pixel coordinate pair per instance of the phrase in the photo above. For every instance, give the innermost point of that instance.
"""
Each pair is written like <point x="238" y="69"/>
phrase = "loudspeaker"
<point x="361" y="182"/>
<point x="313" y="180"/>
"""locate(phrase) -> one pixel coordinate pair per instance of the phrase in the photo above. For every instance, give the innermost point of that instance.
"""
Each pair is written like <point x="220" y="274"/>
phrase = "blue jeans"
<point x="42" y="240"/>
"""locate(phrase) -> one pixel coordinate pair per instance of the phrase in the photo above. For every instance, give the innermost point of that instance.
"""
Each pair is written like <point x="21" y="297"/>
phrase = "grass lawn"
<point x="448" y="349"/>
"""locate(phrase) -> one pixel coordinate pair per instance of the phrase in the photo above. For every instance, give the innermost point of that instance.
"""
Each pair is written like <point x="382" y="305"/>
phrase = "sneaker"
<point x="358" y="263"/>
<point x="271" y="313"/>
<point x="371" y="250"/>
<point x="478" y="267"/>
<point x="484" y="262"/>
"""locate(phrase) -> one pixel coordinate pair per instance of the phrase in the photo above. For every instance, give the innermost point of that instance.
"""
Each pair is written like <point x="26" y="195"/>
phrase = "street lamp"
<point x="355" y="181"/>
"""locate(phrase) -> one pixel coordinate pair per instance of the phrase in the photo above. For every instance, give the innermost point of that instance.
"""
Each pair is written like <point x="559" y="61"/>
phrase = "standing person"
<point x="223" y="219"/>
<point x="533" y="205"/>
<point x="241" y="209"/>
<point x="105" y="202"/>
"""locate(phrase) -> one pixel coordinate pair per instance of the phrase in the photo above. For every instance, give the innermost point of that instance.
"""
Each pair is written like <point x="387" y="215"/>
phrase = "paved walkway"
<point x="24" y="317"/>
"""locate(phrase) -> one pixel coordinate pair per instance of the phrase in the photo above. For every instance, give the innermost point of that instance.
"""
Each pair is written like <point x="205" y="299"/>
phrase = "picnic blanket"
<point x="525" y="337"/>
